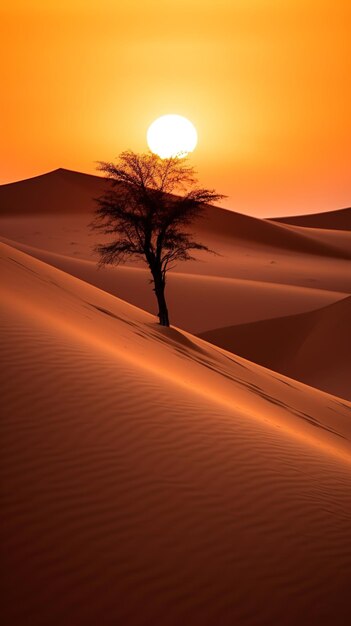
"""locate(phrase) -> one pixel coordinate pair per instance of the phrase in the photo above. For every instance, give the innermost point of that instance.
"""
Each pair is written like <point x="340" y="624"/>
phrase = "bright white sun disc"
<point x="171" y="136"/>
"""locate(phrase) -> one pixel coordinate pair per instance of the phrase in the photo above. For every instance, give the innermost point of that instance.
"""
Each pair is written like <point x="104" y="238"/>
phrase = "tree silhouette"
<point x="145" y="217"/>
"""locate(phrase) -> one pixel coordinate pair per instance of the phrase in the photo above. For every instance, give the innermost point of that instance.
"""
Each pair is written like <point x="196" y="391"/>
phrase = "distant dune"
<point x="151" y="478"/>
<point x="313" y="347"/>
<point x="57" y="192"/>
<point x="334" y="220"/>
<point x="66" y="192"/>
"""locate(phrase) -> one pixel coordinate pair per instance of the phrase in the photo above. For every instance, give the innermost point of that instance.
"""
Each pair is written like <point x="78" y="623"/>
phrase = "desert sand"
<point x="334" y="220"/>
<point x="150" y="477"/>
<point x="313" y="347"/>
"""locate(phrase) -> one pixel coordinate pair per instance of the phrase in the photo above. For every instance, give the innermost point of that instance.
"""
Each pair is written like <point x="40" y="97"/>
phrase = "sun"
<point x="171" y="136"/>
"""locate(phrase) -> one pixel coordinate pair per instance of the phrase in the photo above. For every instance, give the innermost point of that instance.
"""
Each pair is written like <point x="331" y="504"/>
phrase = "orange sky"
<point x="266" y="83"/>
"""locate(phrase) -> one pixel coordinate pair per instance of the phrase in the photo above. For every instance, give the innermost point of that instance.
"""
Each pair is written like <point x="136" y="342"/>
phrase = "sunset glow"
<point x="266" y="85"/>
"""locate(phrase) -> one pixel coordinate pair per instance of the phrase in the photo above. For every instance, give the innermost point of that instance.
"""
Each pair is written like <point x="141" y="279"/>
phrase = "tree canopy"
<point x="148" y="211"/>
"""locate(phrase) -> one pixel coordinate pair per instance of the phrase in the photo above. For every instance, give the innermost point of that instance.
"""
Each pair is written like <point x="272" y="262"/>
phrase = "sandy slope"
<point x="59" y="192"/>
<point x="150" y="478"/>
<point x="337" y="239"/>
<point x="198" y="302"/>
<point x="313" y="347"/>
<point x="70" y="236"/>
<point x="339" y="220"/>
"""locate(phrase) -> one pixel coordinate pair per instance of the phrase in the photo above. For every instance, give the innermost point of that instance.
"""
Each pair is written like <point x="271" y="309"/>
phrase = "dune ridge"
<point x="217" y="494"/>
<point x="312" y="347"/>
<point x="61" y="191"/>
<point x="340" y="219"/>
<point x="67" y="192"/>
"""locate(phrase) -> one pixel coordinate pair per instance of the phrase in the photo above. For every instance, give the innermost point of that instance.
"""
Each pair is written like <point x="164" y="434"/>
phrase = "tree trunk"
<point x="162" y="306"/>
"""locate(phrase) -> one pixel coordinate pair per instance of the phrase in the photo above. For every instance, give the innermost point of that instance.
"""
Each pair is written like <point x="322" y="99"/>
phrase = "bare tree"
<point x="145" y="217"/>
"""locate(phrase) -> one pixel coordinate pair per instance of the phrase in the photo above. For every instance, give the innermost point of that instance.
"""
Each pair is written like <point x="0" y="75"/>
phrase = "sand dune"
<point x="313" y="347"/>
<point x="340" y="239"/>
<point x="66" y="192"/>
<point x="71" y="236"/>
<point x="262" y="232"/>
<point x="337" y="220"/>
<point x="150" y="478"/>
<point x="198" y="302"/>
<point x="59" y="192"/>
